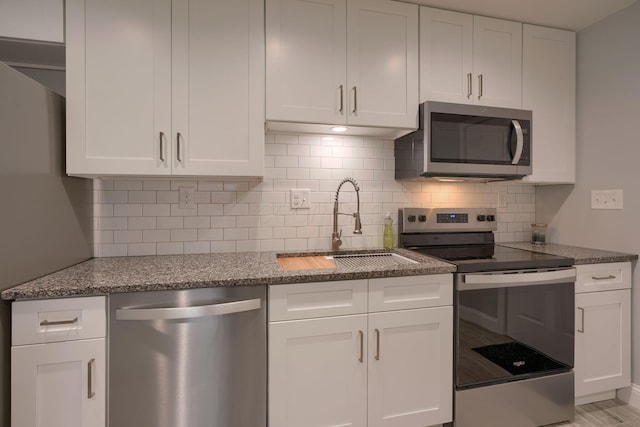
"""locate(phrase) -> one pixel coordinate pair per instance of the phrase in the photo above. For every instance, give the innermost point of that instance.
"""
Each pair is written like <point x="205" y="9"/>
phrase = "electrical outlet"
<point x="606" y="199"/>
<point x="300" y="198"/>
<point x="186" y="197"/>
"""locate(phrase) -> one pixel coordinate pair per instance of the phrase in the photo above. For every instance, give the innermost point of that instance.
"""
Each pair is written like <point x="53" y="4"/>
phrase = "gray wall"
<point x="608" y="149"/>
<point x="45" y="216"/>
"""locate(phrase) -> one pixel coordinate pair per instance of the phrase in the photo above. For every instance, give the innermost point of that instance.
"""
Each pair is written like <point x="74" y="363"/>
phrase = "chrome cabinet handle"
<point x="90" y="365"/>
<point x="361" y="358"/>
<point x="59" y="322"/>
<point x="173" y="313"/>
<point x="179" y="147"/>
<point x="355" y="100"/>
<point x="469" y="85"/>
<point x="609" y="277"/>
<point x="519" y="142"/>
<point x="581" y="320"/>
<point x="480" y="86"/>
<point x="162" y="143"/>
<point x="377" y="357"/>
<point x="341" y="99"/>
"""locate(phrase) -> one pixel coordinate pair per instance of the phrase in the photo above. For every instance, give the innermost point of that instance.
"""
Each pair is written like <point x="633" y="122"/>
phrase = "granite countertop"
<point x="580" y="255"/>
<point x="101" y="276"/>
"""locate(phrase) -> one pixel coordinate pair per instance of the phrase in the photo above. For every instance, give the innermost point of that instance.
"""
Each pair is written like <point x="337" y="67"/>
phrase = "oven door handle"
<point x="513" y="279"/>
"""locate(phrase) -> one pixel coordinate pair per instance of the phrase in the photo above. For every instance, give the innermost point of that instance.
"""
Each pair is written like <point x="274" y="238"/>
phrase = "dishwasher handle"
<point x="174" y="313"/>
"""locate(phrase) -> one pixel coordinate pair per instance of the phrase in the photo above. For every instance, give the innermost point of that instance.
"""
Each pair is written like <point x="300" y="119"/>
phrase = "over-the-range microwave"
<point x="466" y="141"/>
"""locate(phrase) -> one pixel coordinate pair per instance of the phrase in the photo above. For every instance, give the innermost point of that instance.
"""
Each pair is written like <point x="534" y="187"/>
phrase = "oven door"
<point x="513" y="325"/>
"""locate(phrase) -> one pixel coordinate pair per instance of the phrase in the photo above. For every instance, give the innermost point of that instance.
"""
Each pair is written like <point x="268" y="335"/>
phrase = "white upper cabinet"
<point x="156" y="87"/>
<point x="41" y="20"/>
<point x="446" y="56"/>
<point x="306" y="60"/>
<point x="470" y="59"/>
<point x="549" y="90"/>
<point x="342" y="62"/>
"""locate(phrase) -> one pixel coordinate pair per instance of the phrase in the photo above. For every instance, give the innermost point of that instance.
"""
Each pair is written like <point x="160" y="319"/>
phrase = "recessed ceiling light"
<point x="339" y="129"/>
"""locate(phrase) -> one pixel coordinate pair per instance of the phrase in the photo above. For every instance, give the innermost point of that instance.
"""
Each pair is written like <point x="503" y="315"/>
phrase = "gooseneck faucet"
<point x="336" y="240"/>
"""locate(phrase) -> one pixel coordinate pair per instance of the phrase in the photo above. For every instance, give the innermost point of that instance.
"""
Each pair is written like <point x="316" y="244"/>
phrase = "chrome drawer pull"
<point x="609" y="277"/>
<point x="59" y="322"/>
<point x="361" y="358"/>
<point x="581" y="320"/>
<point x="377" y="344"/>
<point x="90" y="392"/>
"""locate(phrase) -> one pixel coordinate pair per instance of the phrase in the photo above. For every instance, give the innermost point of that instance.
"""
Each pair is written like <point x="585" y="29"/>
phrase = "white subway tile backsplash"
<point x="143" y="217"/>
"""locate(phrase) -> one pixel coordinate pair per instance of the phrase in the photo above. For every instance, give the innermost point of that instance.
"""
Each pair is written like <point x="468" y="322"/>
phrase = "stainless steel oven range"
<point x="513" y="320"/>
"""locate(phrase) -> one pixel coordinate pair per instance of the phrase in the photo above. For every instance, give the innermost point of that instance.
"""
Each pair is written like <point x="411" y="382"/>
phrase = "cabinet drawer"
<point x="66" y="319"/>
<point x="603" y="277"/>
<point x="398" y="293"/>
<point x="318" y="299"/>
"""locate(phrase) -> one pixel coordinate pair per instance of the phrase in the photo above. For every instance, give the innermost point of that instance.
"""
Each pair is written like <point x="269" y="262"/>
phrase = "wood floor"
<point x="608" y="413"/>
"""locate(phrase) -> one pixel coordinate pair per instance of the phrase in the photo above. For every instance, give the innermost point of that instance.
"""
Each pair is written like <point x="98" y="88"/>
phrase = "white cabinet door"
<point x="497" y="62"/>
<point x="156" y="87"/>
<point x="603" y="341"/>
<point x="410" y="367"/>
<point x="59" y="384"/>
<point x="318" y="372"/>
<point x="446" y="56"/>
<point x="382" y="63"/>
<point x="118" y="87"/>
<point x="306" y="60"/>
<point x="218" y="87"/>
<point x="41" y="20"/>
<point x="470" y="59"/>
<point x="549" y="90"/>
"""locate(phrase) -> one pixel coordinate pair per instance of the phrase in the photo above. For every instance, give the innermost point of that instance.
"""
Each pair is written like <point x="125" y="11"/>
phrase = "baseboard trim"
<point x="630" y="395"/>
<point x="596" y="397"/>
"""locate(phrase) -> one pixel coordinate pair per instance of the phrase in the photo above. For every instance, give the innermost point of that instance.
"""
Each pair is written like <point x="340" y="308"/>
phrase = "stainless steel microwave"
<point x="466" y="141"/>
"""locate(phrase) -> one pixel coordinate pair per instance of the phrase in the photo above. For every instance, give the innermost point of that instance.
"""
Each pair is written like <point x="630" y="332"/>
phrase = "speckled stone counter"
<point x="101" y="276"/>
<point x="580" y="255"/>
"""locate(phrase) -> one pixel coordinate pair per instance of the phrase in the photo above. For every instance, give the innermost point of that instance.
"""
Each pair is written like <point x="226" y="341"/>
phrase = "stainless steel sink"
<point x="376" y="260"/>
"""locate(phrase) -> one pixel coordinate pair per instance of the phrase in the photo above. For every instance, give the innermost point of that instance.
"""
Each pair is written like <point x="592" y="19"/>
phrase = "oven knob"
<point x="491" y="218"/>
<point x="422" y="218"/>
<point x="482" y="218"/>
<point x="411" y="218"/>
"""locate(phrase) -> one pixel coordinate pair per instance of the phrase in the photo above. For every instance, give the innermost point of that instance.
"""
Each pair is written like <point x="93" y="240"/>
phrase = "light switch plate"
<point x="606" y="199"/>
<point x="300" y="198"/>
<point x="186" y="197"/>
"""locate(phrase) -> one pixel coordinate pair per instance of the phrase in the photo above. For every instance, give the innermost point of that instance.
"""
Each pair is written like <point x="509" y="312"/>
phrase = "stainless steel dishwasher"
<point x="188" y="358"/>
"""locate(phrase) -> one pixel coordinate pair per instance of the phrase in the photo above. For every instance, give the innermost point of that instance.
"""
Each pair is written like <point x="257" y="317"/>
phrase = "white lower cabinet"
<point x="603" y="330"/>
<point x="410" y="367"/>
<point x="59" y="384"/>
<point x="374" y="366"/>
<point x="58" y="380"/>
<point x="316" y="374"/>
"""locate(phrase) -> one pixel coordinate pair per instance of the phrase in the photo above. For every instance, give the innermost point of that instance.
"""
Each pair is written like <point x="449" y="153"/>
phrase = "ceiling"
<point x="566" y="14"/>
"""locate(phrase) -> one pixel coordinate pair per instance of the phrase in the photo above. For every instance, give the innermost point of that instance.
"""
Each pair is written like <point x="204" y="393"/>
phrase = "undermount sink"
<point x="381" y="259"/>
<point x="347" y="260"/>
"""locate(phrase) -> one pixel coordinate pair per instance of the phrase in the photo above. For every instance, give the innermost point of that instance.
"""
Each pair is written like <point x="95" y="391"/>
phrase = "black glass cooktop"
<point x="472" y="258"/>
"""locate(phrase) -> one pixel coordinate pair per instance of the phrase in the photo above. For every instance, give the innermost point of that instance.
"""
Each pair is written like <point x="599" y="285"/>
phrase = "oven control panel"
<point x="435" y="220"/>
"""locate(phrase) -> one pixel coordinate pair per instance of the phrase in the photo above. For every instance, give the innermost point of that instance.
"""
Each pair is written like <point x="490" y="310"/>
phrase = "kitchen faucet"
<point x="336" y="240"/>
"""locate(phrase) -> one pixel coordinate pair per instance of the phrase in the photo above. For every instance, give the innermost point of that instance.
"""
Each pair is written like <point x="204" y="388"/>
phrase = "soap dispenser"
<point x="387" y="235"/>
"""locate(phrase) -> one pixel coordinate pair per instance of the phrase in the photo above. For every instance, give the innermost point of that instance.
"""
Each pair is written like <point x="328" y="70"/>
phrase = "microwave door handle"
<point x="519" y="142"/>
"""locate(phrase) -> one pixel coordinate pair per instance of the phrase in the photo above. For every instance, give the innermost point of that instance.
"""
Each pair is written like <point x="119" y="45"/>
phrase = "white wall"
<point x="142" y="217"/>
<point x="608" y="148"/>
